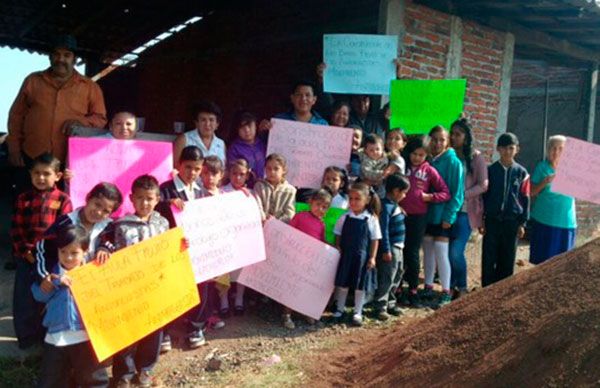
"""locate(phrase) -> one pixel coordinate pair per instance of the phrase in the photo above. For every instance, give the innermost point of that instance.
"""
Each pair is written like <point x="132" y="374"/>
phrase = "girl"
<point x="395" y="140"/>
<point x="426" y="186"/>
<point x="441" y="216"/>
<point x="357" y="238"/>
<point x="311" y="223"/>
<point x="354" y="165"/>
<point x="340" y="115"/>
<point x="100" y="203"/>
<point x="123" y="126"/>
<point x="336" y="180"/>
<point x="470" y="215"/>
<point x="247" y="145"/>
<point x="277" y="199"/>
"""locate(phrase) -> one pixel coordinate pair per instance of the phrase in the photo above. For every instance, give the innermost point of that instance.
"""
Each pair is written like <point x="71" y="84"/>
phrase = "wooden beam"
<point x="591" y="119"/>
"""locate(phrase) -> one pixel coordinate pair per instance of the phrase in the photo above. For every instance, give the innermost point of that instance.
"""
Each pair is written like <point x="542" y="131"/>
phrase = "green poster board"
<point x="419" y="105"/>
<point x="331" y="217"/>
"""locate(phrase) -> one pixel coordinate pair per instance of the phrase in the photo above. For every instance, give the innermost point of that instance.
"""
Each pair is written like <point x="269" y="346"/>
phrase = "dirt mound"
<point x="538" y="328"/>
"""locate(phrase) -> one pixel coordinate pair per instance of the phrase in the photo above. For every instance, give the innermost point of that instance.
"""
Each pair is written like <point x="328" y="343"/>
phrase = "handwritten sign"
<point x="309" y="148"/>
<point x="299" y="271"/>
<point x="359" y="64"/>
<point x="578" y="171"/>
<point x="331" y="217"/>
<point x="419" y="105"/>
<point x="139" y="290"/>
<point x="225" y="233"/>
<point x="95" y="160"/>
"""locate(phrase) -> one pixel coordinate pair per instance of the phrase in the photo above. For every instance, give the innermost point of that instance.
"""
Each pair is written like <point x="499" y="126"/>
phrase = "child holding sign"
<point x="68" y="353"/>
<point x="129" y="230"/>
<point x="357" y="238"/>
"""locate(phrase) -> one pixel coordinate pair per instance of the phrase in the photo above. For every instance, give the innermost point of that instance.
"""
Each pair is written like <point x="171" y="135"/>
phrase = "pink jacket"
<point x="422" y="178"/>
<point x="476" y="184"/>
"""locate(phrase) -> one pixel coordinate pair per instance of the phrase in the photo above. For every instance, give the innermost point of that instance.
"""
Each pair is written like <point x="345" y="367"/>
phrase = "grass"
<point x="16" y="373"/>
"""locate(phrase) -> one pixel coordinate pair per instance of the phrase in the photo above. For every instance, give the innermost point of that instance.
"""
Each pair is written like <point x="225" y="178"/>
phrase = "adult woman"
<point x="470" y="216"/>
<point x="340" y="114"/>
<point x="553" y="214"/>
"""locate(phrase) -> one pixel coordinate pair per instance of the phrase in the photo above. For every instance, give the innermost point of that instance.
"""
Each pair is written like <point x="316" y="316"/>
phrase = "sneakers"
<point x="165" y="345"/>
<point x="395" y="311"/>
<point x="287" y="322"/>
<point x="215" y="322"/>
<point x="144" y="379"/>
<point x="445" y="299"/>
<point x="383" y="316"/>
<point x="357" y="320"/>
<point x="337" y="315"/>
<point x="414" y="301"/>
<point x="196" y="339"/>
<point x="428" y="293"/>
<point x="123" y="383"/>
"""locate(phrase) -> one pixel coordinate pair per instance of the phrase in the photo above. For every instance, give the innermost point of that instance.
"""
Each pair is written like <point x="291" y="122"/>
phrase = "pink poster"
<point x="225" y="233"/>
<point x="95" y="160"/>
<point x="299" y="271"/>
<point x="309" y="148"/>
<point x="578" y="171"/>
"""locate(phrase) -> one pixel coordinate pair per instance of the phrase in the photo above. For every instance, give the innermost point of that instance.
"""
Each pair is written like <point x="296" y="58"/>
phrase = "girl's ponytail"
<point x="374" y="205"/>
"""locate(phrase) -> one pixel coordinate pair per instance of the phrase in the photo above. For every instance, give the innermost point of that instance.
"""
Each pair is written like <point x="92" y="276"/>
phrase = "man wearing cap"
<point x="49" y="103"/>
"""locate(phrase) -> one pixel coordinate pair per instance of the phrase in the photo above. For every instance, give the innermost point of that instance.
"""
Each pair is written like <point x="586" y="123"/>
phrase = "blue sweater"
<point x="392" y="225"/>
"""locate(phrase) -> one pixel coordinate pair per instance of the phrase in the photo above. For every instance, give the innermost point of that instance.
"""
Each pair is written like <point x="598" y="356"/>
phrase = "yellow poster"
<point x="138" y="290"/>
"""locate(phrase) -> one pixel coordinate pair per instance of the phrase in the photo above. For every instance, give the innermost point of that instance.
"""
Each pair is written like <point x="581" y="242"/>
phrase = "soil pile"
<point x="538" y="328"/>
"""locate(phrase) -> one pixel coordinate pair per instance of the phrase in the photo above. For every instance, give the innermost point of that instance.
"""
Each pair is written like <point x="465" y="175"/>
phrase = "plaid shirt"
<point x="35" y="211"/>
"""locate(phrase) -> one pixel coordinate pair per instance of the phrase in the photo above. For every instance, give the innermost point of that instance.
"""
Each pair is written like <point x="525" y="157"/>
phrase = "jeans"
<point x="458" y="262"/>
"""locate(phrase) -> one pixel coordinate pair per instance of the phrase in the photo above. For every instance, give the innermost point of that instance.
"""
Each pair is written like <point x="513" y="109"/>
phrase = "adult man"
<point x="360" y="116"/>
<point x="49" y="103"/>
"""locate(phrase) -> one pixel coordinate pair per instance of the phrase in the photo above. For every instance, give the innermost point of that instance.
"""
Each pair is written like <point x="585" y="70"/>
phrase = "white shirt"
<point x="188" y="190"/>
<point x="66" y="337"/>
<point x="339" y="201"/>
<point x="217" y="146"/>
<point x="372" y="223"/>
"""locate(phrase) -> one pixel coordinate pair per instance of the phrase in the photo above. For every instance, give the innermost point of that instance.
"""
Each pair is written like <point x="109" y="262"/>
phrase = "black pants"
<point x="415" y="230"/>
<point x="138" y="357"/>
<point x="499" y="250"/>
<point x="27" y="313"/>
<point x="63" y="365"/>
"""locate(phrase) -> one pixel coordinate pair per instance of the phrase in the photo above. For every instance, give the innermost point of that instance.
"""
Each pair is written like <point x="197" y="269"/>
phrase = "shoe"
<point x="310" y="321"/>
<point x="383" y="316"/>
<point x="123" y="383"/>
<point x="403" y="299"/>
<point x="215" y="322"/>
<point x="395" y="311"/>
<point x="337" y="314"/>
<point x="357" y="320"/>
<point x="165" y="345"/>
<point x="287" y="322"/>
<point x="144" y="379"/>
<point x="428" y="293"/>
<point x="414" y="301"/>
<point x="196" y="339"/>
<point x="445" y="299"/>
<point x="224" y="313"/>
<point x="239" y="310"/>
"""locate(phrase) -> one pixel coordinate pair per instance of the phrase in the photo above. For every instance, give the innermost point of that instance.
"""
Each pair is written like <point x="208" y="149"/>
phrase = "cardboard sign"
<point x="578" y="171"/>
<point x="419" y="105"/>
<point x="95" y="160"/>
<point x="225" y="233"/>
<point x="359" y="64"/>
<point x="137" y="291"/>
<point x="309" y="149"/>
<point x="331" y="217"/>
<point x="299" y="271"/>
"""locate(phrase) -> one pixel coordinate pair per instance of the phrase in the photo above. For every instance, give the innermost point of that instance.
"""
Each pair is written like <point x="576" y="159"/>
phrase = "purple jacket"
<point x="476" y="184"/>
<point x="254" y="154"/>
<point x="422" y="179"/>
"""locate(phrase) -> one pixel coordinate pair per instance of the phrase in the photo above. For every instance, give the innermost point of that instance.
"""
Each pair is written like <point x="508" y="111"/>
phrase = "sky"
<point x="16" y="65"/>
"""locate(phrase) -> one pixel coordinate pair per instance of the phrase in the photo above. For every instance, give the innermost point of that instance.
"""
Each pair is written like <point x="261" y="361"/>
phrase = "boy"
<point x="506" y="210"/>
<point x="389" y="260"/>
<point x="35" y="211"/>
<point x="68" y="354"/>
<point x="176" y="192"/>
<point x="131" y="229"/>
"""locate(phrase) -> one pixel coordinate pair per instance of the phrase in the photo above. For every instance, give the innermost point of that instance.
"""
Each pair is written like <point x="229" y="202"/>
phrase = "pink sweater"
<point x="423" y="179"/>
<point x="475" y="185"/>
<point x="309" y="224"/>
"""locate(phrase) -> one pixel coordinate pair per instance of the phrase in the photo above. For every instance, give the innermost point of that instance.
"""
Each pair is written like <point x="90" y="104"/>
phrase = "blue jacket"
<point x="393" y="230"/>
<point x="61" y="311"/>
<point x="451" y="170"/>
<point x="507" y="197"/>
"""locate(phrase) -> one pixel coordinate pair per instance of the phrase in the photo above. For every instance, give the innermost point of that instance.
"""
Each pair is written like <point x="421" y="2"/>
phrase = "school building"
<point x="531" y="66"/>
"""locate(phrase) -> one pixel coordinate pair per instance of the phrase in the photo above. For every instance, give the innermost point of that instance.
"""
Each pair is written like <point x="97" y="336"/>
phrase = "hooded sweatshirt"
<point x="451" y="170"/>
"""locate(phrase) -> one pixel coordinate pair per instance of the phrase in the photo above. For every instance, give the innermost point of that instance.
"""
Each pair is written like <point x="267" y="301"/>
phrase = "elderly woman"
<point x="553" y="214"/>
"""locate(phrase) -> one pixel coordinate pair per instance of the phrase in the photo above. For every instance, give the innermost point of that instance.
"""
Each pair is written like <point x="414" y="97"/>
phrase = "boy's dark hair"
<point x="373" y="139"/>
<point x="396" y="181"/>
<point x="70" y="234"/>
<point x="304" y="82"/>
<point x="145" y="182"/>
<point x="321" y="195"/>
<point x="108" y="191"/>
<point x="191" y="154"/>
<point x="47" y="159"/>
<point x="206" y="107"/>
<point x="508" y="139"/>
<point x="213" y="164"/>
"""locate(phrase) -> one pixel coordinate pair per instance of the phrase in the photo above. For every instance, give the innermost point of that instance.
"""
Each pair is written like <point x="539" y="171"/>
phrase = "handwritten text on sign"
<point x="95" y="160"/>
<point x="359" y="64"/>
<point x="299" y="271"/>
<point x="309" y="148"/>
<point x="578" y="171"/>
<point x="138" y="290"/>
<point x="225" y="233"/>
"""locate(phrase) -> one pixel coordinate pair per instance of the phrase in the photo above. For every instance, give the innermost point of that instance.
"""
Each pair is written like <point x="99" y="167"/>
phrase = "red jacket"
<point x="423" y="179"/>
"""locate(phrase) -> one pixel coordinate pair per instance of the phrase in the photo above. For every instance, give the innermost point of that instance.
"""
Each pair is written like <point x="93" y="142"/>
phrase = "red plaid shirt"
<point x="35" y="211"/>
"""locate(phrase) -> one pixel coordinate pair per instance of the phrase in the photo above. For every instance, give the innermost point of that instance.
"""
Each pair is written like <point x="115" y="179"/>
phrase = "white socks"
<point x="340" y="298"/>
<point x="436" y="255"/>
<point x="359" y="301"/>
<point x="429" y="259"/>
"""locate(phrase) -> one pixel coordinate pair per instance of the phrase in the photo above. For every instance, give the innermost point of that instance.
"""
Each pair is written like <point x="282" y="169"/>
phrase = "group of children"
<point x="400" y="193"/>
